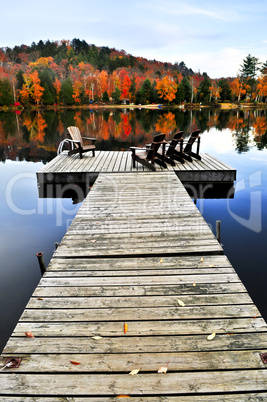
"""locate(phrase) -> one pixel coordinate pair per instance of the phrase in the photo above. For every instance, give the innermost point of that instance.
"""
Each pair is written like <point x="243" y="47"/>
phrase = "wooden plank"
<point x="209" y="263"/>
<point x="140" y="313"/>
<point x="67" y="289"/>
<point x="140" y="281"/>
<point x="142" y="328"/>
<point x="247" y="397"/>
<point x="138" y="302"/>
<point x="140" y="384"/>
<point x="105" y="363"/>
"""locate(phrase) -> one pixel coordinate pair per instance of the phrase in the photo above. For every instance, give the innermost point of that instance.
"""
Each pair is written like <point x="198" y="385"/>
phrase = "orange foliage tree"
<point x="167" y="88"/>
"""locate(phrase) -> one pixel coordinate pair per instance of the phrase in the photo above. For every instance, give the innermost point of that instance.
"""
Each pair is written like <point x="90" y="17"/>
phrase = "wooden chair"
<point x="171" y="153"/>
<point x="78" y="144"/>
<point x="175" y="149"/>
<point x="149" y="156"/>
<point x="187" y="151"/>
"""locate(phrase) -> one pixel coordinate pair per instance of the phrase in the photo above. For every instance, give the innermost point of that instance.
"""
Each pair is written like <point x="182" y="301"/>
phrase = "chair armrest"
<point x="91" y="139"/>
<point x="134" y="148"/>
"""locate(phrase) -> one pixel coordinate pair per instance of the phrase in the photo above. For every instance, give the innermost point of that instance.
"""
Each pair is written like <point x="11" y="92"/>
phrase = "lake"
<point x="30" y="224"/>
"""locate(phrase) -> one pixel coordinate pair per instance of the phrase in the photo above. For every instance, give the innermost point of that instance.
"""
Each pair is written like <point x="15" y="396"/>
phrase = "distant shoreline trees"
<point x="73" y="72"/>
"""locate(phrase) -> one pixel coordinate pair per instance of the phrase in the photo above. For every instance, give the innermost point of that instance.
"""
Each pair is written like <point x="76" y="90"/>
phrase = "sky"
<point x="208" y="36"/>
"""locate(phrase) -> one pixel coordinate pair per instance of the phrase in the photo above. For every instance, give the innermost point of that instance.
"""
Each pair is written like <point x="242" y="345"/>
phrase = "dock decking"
<point x="65" y="169"/>
<point x="138" y="252"/>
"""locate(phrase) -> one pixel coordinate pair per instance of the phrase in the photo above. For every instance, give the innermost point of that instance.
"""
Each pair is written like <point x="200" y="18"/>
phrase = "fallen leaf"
<point x="163" y="370"/>
<point x="194" y="284"/>
<point x="135" y="371"/>
<point x="125" y="327"/>
<point x="161" y="260"/>
<point x="96" y="337"/>
<point x="180" y="302"/>
<point x="202" y="259"/>
<point x="255" y="316"/>
<point x="211" y="336"/>
<point x="29" y="334"/>
<point x="40" y="298"/>
<point x="74" y="362"/>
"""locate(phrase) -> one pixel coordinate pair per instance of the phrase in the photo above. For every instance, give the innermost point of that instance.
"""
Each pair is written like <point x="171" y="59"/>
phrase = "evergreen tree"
<point x="226" y="93"/>
<point x="6" y="95"/>
<point x="180" y="94"/>
<point x="116" y="95"/>
<point x="105" y="97"/>
<point x="187" y="89"/>
<point x="154" y="98"/>
<point x="249" y="70"/>
<point x="47" y="96"/>
<point x="66" y="92"/>
<point x="19" y="79"/>
<point x="204" y="92"/>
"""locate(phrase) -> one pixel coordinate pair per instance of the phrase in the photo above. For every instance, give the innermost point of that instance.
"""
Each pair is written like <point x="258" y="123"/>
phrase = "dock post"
<point x="218" y="231"/>
<point x="41" y="262"/>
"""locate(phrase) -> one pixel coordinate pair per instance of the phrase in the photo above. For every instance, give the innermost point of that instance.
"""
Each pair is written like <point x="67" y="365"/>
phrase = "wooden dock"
<point x="64" y="169"/>
<point x="138" y="253"/>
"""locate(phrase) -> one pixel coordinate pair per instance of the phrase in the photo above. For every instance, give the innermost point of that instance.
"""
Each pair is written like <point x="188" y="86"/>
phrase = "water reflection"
<point x="76" y="192"/>
<point x="210" y="191"/>
<point x="34" y="136"/>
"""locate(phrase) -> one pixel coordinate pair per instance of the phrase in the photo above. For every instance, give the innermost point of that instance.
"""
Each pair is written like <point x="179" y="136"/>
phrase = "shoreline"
<point x="222" y="106"/>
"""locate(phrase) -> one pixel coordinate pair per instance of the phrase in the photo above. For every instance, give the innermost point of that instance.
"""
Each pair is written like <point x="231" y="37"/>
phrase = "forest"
<point x="69" y="73"/>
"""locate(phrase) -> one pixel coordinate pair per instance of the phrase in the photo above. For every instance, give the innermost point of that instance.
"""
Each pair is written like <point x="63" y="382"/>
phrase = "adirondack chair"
<point x="149" y="156"/>
<point x="78" y="144"/>
<point x="175" y="149"/>
<point x="187" y="151"/>
<point x="171" y="154"/>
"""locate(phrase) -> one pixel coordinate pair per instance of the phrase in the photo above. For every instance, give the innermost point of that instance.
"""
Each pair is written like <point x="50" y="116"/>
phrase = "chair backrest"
<point x="75" y="134"/>
<point x="154" y="146"/>
<point x="192" y="139"/>
<point x="178" y="137"/>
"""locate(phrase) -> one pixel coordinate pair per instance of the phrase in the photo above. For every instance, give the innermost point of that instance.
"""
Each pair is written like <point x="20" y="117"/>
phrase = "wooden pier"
<point x="64" y="169"/>
<point x="138" y="284"/>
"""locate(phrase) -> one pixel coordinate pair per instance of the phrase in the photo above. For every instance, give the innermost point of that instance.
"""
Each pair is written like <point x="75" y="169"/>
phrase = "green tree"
<point x="143" y="96"/>
<point x="180" y="94"/>
<point x="226" y="93"/>
<point x="187" y="89"/>
<point x="47" y="96"/>
<point x="105" y="97"/>
<point x="116" y="95"/>
<point x="66" y="92"/>
<point x="6" y="95"/>
<point x="19" y="79"/>
<point x="203" y="90"/>
<point x="249" y="70"/>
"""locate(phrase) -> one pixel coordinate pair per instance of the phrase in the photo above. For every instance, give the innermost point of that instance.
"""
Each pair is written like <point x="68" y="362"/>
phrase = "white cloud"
<point x="224" y="63"/>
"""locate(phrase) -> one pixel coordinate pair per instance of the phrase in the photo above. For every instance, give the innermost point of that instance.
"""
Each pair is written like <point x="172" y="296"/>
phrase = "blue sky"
<point x="208" y="36"/>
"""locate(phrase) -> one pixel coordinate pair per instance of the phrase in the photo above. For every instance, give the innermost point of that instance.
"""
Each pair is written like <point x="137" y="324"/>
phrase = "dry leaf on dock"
<point x="135" y="371"/>
<point x="29" y="334"/>
<point x="211" y="336"/>
<point x="180" y="302"/>
<point x="163" y="370"/>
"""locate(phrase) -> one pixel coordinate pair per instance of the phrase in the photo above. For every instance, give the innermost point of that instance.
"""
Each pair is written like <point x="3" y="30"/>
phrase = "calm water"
<point x="30" y="224"/>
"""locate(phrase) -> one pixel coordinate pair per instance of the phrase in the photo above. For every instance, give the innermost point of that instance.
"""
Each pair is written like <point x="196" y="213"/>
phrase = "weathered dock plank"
<point x="209" y="169"/>
<point x="138" y="253"/>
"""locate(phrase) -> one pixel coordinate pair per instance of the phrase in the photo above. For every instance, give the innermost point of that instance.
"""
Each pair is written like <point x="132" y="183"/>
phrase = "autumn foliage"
<point x="76" y="73"/>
